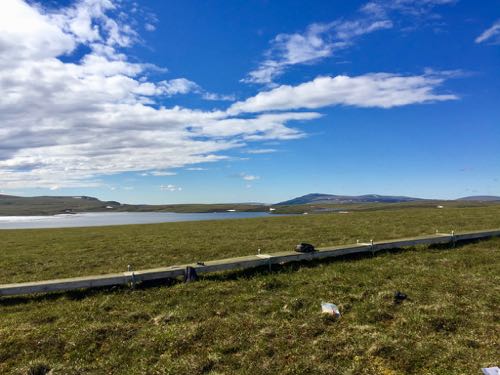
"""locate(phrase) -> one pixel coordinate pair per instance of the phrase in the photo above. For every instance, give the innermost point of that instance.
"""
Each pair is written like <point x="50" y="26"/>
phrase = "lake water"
<point x="116" y="218"/>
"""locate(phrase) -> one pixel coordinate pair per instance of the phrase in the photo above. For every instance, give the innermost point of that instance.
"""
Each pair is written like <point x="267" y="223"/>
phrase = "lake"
<point x="95" y="219"/>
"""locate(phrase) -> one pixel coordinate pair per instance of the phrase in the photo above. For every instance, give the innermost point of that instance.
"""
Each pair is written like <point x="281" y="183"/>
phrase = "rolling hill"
<point x="342" y="199"/>
<point x="48" y="205"/>
<point x="480" y="198"/>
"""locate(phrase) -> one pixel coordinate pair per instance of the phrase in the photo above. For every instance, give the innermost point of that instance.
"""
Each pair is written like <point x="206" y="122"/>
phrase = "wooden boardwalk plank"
<point x="244" y="262"/>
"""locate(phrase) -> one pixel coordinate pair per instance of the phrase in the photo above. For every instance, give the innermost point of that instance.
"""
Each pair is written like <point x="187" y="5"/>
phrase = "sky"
<point x="249" y="101"/>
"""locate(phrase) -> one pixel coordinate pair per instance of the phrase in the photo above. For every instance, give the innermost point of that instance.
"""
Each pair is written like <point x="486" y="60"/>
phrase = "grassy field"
<point x="257" y="322"/>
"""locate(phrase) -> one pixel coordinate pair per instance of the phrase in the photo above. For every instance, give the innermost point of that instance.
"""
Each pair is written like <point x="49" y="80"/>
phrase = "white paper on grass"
<point x="330" y="308"/>
<point x="491" y="371"/>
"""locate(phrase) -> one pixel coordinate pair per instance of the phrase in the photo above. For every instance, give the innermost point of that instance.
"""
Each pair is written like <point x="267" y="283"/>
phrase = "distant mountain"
<point x="480" y="198"/>
<point x="341" y="199"/>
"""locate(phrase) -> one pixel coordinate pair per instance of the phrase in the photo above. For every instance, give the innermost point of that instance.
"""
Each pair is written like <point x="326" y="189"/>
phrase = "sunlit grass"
<point x="257" y="322"/>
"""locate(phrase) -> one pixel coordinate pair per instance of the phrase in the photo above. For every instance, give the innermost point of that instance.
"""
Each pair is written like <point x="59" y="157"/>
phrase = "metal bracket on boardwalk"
<point x="268" y="257"/>
<point x="371" y="244"/>
<point x="133" y="281"/>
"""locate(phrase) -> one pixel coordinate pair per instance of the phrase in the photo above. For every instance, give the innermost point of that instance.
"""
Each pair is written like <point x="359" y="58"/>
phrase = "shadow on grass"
<point x="461" y="243"/>
<point x="80" y="294"/>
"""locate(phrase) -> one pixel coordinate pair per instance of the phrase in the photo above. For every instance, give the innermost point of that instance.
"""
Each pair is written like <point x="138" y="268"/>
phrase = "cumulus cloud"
<point x="321" y="40"/>
<point x="178" y="86"/>
<point x="370" y="90"/>
<point x="261" y="127"/>
<point x="67" y="122"/>
<point x="491" y="34"/>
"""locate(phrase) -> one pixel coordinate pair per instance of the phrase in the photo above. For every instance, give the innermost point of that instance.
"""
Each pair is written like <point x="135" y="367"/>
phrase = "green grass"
<point x="258" y="322"/>
<point x="51" y="253"/>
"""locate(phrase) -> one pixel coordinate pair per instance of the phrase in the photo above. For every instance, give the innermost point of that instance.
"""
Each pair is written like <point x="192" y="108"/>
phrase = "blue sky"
<point x="255" y="101"/>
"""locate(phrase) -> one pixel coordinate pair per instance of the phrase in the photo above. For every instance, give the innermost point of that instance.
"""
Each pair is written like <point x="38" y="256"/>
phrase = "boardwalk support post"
<point x="190" y="274"/>
<point x="133" y="281"/>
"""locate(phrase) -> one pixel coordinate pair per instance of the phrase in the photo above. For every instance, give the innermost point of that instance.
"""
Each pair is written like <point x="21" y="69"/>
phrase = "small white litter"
<point x="330" y="308"/>
<point x="491" y="370"/>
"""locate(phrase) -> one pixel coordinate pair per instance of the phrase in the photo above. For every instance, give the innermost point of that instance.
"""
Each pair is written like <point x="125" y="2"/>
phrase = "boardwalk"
<point x="245" y="262"/>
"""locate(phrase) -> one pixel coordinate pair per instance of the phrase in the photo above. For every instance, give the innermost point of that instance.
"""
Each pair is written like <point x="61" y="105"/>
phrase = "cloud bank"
<point x="67" y="123"/>
<point x="74" y="107"/>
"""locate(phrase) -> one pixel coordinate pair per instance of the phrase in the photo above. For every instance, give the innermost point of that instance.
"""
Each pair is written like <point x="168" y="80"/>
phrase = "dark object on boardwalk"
<point x="399" y="297"/>
<point x="304" y="248"/>
<point x="200" y="263"/>
<point x="190" y="274"/>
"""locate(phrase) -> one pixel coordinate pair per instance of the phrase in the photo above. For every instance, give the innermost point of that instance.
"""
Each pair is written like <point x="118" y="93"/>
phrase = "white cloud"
<point x="88" y="22"/>
<point x="491" y="34"/>
<point x="150" y="27"/>
<point x="370" y="90"/>
<point x="416" y="8"/>
<point x="158" y="173"/>
<point x="178" y="86"/>
<point x="218" y="97"/>
<point x="249" y="177"/>
<point x="170" y="187"/>
<point x="69" y="123"/>
<point x="196" y="169"/>
<point x="261" y="151"/>
<point x="261" y="127"/>
<point x="163" y="173"/>
<point x="321" y="40"/>
<point x="317" y="42"/>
